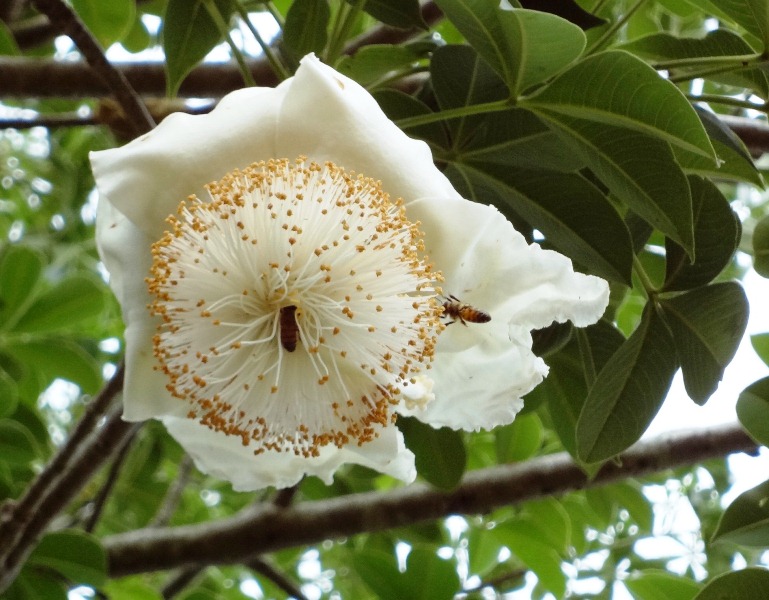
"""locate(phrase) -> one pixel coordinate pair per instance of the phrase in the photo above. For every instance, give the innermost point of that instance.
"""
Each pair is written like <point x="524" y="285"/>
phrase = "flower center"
<point x="294" y="306"/>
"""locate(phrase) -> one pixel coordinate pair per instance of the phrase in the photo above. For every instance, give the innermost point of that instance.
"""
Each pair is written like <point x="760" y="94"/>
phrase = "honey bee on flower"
<point x="460" y="311"/>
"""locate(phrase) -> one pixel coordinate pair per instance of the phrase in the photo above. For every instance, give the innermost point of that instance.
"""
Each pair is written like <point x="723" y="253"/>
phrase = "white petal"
<point x="226" y="458"/>
<point x="342" y="122"/>
<point x="481" y="371"/>
<point x="147" y="178"/>
<point x="125" y="251"/>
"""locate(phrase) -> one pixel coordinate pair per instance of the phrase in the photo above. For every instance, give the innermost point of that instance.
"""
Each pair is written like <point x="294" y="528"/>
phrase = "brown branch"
<point x="65" y="20"/>
<point x="266" y="528"/>
<point x="754" y="133"/>
<point x="45" y="78"/>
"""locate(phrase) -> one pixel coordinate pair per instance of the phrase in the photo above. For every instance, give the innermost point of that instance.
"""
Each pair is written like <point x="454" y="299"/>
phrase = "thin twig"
<point x="265" y="528"/>
<point x="271" y="572"/>
<point x="179" y="581"/>
<point x="112" y="477"/>
<point x="63" y="18"/>
<point x="173" y="495"/>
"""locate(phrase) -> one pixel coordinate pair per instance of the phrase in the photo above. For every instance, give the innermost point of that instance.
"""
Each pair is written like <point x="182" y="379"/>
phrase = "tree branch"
<point x="63" y="18"/>
<point x="267" y="528"/>
<point x="82" y="455"/>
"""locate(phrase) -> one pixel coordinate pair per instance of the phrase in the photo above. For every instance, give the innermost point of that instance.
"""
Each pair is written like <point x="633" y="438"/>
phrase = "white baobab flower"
<point x="283" y="263"/>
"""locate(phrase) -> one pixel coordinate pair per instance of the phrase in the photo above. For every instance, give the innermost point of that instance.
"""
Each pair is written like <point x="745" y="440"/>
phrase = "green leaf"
<point x="732" y="165"/>
<point x="108" y="21"/>
<point x="747" y="584"/>
<point x="138" y="37"/>
<point x="428" y="576"/>
<point x="753" y="15"/>
<point x="716" y="236"/>
<point x="32" y="584"/>
<point x="552" y="521"/>
<point x="519" y="440"/>
<point x="652" y="584"/>
<point x="628" y="391"/>
<point x="707" y="325"/>
<point x="440" y="453"/>
<point x="565" y="387"/>
<point x="17" y="443"/>
<point x="573" y="214"/>
<point x="62" y="358"/>
<point x="567" y="9"/>
<point x="516" y="137"/>
<point x="746" y="520"/>
<point x="402" y="14"/>
<point x="8" y="45"/>
<point x="753" y="410"/>
<point x="71" y="301"/>
<point x="20" y="269"/>
<point x="760" y="343"/>
<point x="669" y="48"/>
<point x="525" y="47"/>
<point x="189" y="33"/>
<point x="525" y="541"/>
<point x="761" y="247"/>
<point x="380" y="572"/>
<point x="372" y="63"/>
<point x="616" y="88"/>
<point x="397" y="105"/>
<point x="306" y="26"/>
<point x="639" y="170"/>
<point x="78" y="556"/>
<point x="9" y="394"/>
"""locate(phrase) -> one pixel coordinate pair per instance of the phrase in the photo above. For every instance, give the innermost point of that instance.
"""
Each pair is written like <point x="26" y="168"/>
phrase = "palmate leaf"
<point x="639" y="170"/>
<point x="525" y="47"/>
<point x="628" y="391"/>
<point x="707" y="325"/>
<point x="717" y="232"/>
<point x="573" y="214"/>
<point x="616" y="88"/>
<point x="461" y="78"/>
<point x="654" y="584"/>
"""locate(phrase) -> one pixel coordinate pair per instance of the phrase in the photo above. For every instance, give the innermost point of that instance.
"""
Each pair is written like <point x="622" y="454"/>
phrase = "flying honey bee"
<point x="289" y="328"/>
<point x="457" y="310"/>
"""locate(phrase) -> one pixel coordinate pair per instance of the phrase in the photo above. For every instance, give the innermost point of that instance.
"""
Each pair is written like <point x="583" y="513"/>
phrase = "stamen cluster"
<point x="294" y="306"/>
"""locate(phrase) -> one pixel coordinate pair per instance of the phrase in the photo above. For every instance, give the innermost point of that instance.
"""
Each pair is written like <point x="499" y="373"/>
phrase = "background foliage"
<point x="606" y="130"/>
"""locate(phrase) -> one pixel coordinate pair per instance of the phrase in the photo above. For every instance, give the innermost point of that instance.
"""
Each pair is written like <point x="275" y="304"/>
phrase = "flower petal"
<point x="481" y="371"/>
<point x="147" y="178"/>
<point x="225" y="457"/>
<point x="124" y="249"/>
<point x="343" y="123"/>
